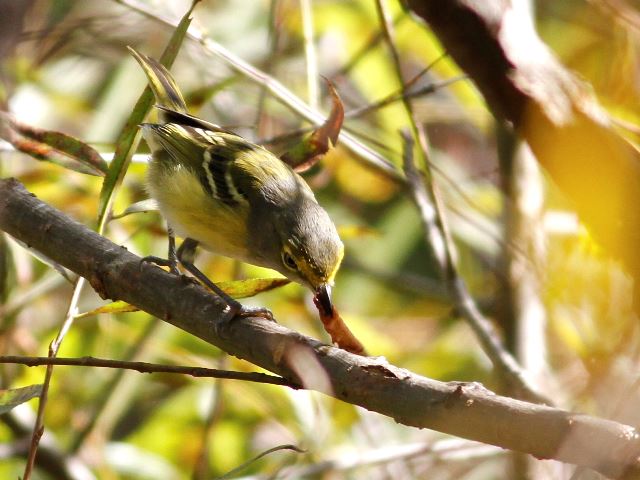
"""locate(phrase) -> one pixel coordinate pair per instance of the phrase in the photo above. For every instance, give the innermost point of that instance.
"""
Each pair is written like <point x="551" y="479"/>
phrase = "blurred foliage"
<point x="68" y="70"/>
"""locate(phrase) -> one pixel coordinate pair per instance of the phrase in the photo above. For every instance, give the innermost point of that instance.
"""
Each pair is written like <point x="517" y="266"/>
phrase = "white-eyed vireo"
<point x="235" y="198"/>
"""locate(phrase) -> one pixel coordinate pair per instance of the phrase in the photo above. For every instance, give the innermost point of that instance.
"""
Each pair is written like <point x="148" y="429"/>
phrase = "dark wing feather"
<point x="209" y="154"/>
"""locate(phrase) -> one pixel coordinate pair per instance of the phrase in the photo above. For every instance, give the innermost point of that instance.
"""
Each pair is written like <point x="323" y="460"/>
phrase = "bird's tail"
<point x="161" y="82"/>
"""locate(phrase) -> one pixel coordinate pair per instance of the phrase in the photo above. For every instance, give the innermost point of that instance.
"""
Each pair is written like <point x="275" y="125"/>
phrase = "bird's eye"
<point x="288" y="261"/>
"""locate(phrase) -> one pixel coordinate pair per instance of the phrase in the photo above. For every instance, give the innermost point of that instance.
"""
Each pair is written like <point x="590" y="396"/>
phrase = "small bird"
<point x="235" y="198"/>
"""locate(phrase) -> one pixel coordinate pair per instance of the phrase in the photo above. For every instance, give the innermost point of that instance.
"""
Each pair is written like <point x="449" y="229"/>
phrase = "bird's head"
<point x="310" y="249"/>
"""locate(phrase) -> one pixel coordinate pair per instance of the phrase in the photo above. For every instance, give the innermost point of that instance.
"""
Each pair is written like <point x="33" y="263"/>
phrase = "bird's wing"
<point x="209" y="154"/>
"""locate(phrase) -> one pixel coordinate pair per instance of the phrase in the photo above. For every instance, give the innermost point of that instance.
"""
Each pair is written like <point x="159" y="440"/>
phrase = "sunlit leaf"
<point x="307" y="153"/>
<point x="10" y="399"/>
<point x="235" y="288"/>
<point x="251" y="286"/>
<point x="113" y="307"/>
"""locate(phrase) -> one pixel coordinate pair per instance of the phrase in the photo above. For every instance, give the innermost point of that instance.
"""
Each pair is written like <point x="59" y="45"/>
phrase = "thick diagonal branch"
<point x="461" y="409"/>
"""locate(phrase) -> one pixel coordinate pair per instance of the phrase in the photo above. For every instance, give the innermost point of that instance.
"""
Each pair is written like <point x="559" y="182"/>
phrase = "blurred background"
<point x="561" y="306"/>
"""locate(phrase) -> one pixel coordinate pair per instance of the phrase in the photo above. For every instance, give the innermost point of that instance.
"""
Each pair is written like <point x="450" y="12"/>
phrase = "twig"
<point x="431" y="216"/>
<point x="126" y="144"/>
<point x="554" y="112"/>
<point x="239" y="468"/>
<point x="367" y="47"/>
<point x="38" y="428"/>
<point x="144" y="367"/>
<point x="369" y="157"/>
<point x="436" y="232"/>
<point x="449" y="450"/>
<point x="110" y="388"/>
<point x="51" y="456"/>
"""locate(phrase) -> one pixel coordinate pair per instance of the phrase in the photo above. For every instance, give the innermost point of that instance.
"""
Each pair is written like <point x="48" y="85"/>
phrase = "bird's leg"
<point x="172" y="257"/>
<point x="171" y="261"/>
<point x="186" y="256"/>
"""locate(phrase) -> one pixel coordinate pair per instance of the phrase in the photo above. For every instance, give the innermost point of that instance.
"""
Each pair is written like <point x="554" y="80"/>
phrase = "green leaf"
<point x="54" y="147"/>
<point x="10" y="399"/>
<point x="235" y="288"/>
<point x="114" y="307"/>
<point x="251" y="286"/>
<point x="129" y="138"/>
<point x="307" y="153"/>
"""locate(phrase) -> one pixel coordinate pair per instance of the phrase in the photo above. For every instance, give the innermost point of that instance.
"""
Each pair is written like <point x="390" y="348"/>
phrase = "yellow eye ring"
<point x="289" y="261"/>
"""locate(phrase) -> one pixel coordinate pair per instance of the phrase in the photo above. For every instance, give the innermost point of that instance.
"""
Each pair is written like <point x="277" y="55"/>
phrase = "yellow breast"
<point x="192" y="213"/>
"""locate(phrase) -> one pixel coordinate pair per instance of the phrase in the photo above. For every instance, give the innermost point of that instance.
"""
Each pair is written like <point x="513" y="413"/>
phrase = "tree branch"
<point x="462" y="409"/>
<point x="145" y="367"/>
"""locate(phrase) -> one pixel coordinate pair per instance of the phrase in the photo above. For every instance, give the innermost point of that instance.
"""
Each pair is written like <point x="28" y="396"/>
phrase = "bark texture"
<point x="463" y="409"/>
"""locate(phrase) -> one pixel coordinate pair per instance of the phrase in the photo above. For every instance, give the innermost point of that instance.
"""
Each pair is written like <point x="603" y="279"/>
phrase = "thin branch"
<point x="144" y="367"/>
<point x="404" y="94"/>
<point x="449" y="450"/>
<point x="434" y="234"/>
<point x="367" y="47"/>
<point x="441" y="246"/>
<point x="239" y="468"/>
<point x="369" y="157"/>
<point x="38" y="428"/>
<point x="105" y="393"/>
<point x="466" y="410"/>
<point x="127" y="142"/>
<point x="51" y="456"/>
<point x="431" y="215"/>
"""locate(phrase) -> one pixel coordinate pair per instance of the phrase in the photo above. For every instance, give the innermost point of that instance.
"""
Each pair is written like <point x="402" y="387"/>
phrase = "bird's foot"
<point x="161" y="262"/>
<point x="237" y="310"/>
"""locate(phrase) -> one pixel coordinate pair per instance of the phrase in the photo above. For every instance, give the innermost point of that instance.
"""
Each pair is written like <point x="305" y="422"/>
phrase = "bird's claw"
<point x="240" y="311"/>
<point x="161" y="262"/>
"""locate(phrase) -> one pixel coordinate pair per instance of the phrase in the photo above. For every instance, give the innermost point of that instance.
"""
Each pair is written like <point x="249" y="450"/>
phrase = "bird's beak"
<point x="323" y="297"/>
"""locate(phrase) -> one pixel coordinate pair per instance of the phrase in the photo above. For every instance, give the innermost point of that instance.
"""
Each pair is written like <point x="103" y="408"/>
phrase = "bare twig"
<point x="127" y="143"/>
<point x="405" y="94"/>
<point x="239" y="468"/>
<point x="38" y="428"/>
<point x="449" y="450"/>
<point x="274" y="34"/>
<point x="109" y="389"/>
<point x="431" y="216"/>
<point x="437" y="237"/>
<point x="369" y="157"/>
<point x="144" y="367"/>
<point x="367" y="47"/>
<point x="51" y="456"/>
